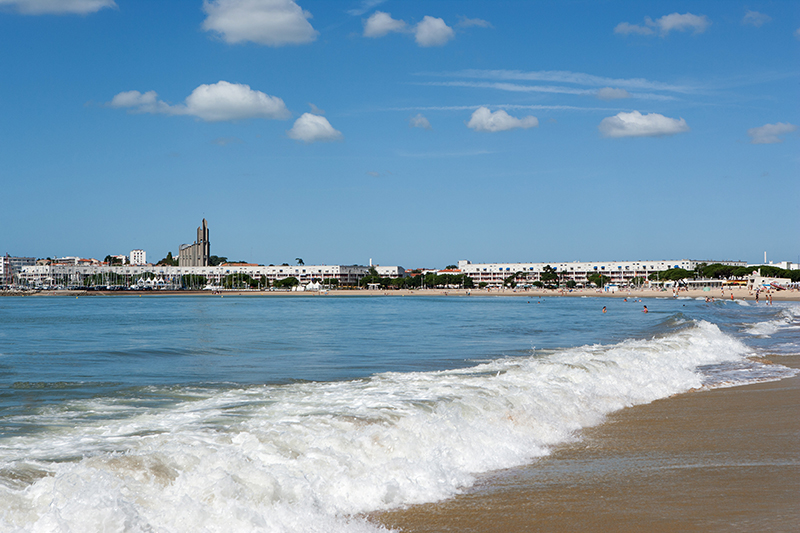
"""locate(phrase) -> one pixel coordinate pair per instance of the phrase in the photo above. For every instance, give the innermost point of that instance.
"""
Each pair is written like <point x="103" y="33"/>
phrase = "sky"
<point x="412" y="133"/>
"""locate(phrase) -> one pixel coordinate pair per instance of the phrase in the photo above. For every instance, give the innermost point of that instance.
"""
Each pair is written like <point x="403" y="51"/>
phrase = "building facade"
<point x="197" y="254"/>
<point x="619" y="272"/>
<point x="138" y="257"/>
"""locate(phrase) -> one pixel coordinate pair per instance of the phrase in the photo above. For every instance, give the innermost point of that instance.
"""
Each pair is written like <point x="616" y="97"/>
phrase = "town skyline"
<point x="417" y="133"/>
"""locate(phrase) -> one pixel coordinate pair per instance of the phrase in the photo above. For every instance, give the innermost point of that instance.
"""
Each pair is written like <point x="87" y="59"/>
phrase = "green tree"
<point x="672" y="274"/>
<point x="215" y="260"/>
<point x="299" y="261"/>
<point x="286" y="283"/>
<point x="598" y="279"/>
<point x="168" y="261"/>
<point x="549" y="275"/>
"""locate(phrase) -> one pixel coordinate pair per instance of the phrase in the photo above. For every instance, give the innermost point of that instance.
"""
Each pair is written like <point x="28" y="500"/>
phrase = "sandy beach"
<point x="712" y="460"/>
<point x="738" y="294"/>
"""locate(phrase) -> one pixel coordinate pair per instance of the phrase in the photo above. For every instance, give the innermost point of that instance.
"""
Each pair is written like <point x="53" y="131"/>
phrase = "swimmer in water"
<point x="645" y="309"/>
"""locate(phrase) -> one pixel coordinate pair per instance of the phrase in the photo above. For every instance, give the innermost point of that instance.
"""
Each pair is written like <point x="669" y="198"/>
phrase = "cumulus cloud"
<point x="419" y="121"/>
<point x="754" y="18"/>
<point x="634" y="124"/>
<point x="610" y="93"/>
<point x="56" y="7"/>
<point x="666" y="24"/>
<point x="433" y="32"/>
<point x="380" y="24"/>
<point x="267" y="22"/>
<point x="484" y="120"/>
<point x="313" y="128"/>
<point x="217" y="102"/>
<point x="769" y="133"/>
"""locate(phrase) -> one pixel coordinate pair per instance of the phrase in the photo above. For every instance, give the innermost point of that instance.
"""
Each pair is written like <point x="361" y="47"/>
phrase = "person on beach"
<point x="645" y="309"/>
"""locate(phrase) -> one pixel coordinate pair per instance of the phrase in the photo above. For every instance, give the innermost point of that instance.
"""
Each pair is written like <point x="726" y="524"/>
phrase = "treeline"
<point x="718" y="271"/>
<point x="417" y="281"/>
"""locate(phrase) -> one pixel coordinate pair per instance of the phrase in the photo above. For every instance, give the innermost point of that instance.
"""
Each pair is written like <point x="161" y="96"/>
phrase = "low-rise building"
<point x="621" y="272"/>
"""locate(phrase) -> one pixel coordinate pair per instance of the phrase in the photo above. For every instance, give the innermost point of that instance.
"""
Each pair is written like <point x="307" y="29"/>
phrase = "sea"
<point x="218" y="413"/>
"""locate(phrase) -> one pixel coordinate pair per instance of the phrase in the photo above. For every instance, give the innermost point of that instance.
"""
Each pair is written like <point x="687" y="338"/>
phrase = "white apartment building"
<point x="138" y="257"/>
<point x="621" y="272"/>
<point x="5" y="271"/>
<point x="74" y="275"/>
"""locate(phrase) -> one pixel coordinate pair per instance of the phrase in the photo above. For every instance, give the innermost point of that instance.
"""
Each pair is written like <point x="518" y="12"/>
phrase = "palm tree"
<point x="299" y="261"/>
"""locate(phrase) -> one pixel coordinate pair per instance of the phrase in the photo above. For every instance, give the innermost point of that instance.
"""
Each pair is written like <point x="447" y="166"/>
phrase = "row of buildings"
<point x="194" y="259"/>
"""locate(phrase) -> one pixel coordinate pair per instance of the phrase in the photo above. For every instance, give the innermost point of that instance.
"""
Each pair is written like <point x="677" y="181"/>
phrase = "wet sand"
<point x="719" y="460"/>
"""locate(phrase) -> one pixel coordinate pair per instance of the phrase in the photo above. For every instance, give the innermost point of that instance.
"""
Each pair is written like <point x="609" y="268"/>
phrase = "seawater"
<point x="203" y="413"/>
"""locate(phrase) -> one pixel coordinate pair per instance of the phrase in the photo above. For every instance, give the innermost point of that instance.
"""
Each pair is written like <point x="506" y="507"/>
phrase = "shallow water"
<point x="289" y="414"/>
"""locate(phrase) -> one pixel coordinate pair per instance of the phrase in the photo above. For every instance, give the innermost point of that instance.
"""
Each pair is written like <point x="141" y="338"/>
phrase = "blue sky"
<point x="409" y="132"/>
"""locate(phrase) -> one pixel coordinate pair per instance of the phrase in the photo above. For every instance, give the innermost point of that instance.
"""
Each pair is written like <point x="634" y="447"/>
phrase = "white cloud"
<point x="380" y="24"/>
<point x="768" y="133"/>
<point x="625" y="28"/>
<point x="666" y="24"/>
<point x="233" y="101"/>
<point x="464" y="22"/>
<point x="484" y="120"/>
<point x="57" y="7"/>
<point x="754" y="18"/>
<point x="315" y="110"/>
<point x="222" y="101"/>
<point x="366" y="5"/>
<point x="313" y="128"/>
<point x="634" y="124"/>
<point x="433" y="32"/>
<point x="610" y="93"/>
<point x="604" y="94"/>
<point x="419" y="121"/>
<point x="566" y="76"/>
<point x="797" y="33"/>
<point x="268" y="22"/>
<point x="685" y="22"/>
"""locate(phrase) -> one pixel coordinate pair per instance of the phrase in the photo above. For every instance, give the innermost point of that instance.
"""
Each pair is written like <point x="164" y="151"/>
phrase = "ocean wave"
<point x="315" y="456"/>
<point x="786" y="318"/>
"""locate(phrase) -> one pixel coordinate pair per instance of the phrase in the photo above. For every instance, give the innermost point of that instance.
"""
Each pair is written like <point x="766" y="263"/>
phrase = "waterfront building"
<point x="138" y="257"/>
<point x="76" y="274"/>
<point x="619" y="272"/>
<point x="197" y="254"/>
<point x="11" y="265"/>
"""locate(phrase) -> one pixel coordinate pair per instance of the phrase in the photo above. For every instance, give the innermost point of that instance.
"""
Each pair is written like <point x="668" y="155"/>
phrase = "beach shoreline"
<point x="741" y="294"/>
<point x="724" y="459"/>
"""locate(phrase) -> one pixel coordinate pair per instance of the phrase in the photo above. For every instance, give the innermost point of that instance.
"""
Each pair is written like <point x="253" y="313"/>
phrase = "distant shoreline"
<point x="717" y="294"/>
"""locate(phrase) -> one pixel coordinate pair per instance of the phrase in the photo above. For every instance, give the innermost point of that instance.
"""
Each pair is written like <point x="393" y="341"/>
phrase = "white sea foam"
<point x="787" y="319"/>
<point x="313" y="456"/>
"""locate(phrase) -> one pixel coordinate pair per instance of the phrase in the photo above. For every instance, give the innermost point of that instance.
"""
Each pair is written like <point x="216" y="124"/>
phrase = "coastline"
<point x="738" y="293"/>
<point x="711" y="460"/>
